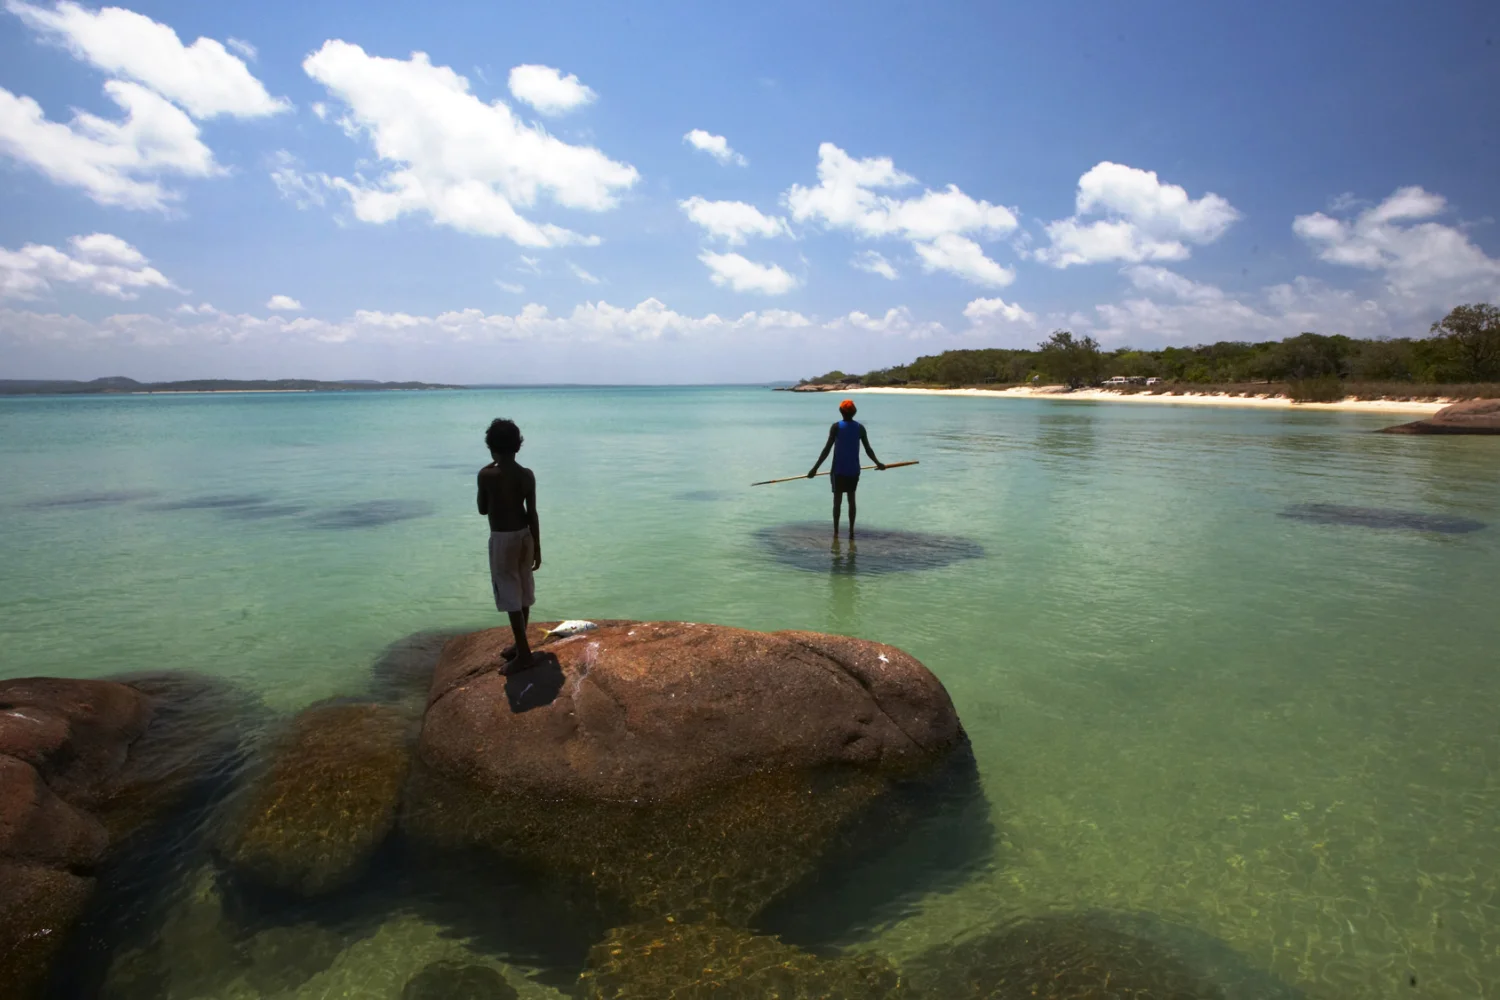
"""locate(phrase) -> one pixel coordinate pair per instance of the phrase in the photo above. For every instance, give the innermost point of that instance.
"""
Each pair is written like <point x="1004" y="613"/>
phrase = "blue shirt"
<point x="846" y="447"/>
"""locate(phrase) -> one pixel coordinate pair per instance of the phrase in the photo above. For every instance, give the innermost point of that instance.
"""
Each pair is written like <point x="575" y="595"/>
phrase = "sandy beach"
<point x="1201" y="399"/>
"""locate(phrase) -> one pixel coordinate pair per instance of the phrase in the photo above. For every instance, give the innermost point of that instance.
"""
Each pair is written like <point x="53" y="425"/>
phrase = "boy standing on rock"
<point x="507" y="496"/>
<point x="845" y="437"/>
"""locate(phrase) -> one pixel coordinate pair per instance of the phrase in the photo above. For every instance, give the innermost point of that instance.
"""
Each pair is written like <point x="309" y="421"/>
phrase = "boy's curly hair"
<point x="503" y="437"/>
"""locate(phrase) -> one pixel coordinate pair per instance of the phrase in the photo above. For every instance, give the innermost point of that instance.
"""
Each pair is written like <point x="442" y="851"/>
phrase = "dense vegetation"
<point x="1463" y="347"/>
<point x="117" y="383"/>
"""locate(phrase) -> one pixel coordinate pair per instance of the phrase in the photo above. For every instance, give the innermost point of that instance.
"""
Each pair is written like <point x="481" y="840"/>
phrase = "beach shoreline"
<point x="1349" y="405"/>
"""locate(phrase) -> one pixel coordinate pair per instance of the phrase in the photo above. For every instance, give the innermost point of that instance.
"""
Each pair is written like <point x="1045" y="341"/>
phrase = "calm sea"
<point x="1201" y="688"/>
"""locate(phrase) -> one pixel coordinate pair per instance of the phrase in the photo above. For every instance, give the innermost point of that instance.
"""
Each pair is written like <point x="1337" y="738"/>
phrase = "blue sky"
<point x="694" y="192"/>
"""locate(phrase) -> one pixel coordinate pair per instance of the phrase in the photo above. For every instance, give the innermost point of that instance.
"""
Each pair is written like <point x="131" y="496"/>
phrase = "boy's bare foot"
<point x="517" y="664"/>
<point x="509" y="652"/>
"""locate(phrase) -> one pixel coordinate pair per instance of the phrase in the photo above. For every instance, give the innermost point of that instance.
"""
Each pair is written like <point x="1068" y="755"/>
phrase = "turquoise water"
<point x="1273" y="731"/>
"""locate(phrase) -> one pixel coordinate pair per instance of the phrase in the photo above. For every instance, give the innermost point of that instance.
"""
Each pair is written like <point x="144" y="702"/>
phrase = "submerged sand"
<point x="1196" y="399"/>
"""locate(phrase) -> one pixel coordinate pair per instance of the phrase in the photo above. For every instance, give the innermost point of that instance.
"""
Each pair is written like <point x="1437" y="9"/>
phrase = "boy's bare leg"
<point x="851" y="518"/>
<point x="838" y="506"/>
<point x="509" y="652"/>
<point x="522" y="658"/>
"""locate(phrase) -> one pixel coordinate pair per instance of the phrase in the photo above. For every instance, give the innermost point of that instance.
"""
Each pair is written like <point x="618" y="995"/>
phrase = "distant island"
<point x="119" y="384"/>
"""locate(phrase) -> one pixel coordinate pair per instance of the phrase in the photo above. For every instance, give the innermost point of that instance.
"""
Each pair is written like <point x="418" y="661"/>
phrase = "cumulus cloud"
<point x="939" y="224"/>
<point x="732" y="221"/>
<point x="450" y="156"/>
<point x="897" y="321"/>
<point x="734" y="271"/>
<point x="113" y="162"/>
<point x="983" y="312"/>
<point x="284" y="303"/>
<point x="98" y="262"/>
<point x="203" y="78"/>
<point x="591" y="322"/>
<point x="962" y="256"/>
<point x="874" y="262"/>
<point x="1126" y="214"/>
<point x="714" y="145"/>
<point x="547" y="90"/>
<point x="1421" y="261"/>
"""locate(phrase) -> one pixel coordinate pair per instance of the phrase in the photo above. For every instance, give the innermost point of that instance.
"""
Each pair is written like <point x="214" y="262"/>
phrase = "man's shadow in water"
<point x="536" y="686"/>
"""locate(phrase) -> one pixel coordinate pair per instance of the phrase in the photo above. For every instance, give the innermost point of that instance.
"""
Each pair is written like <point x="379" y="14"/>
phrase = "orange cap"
<point x="847" y="404"/>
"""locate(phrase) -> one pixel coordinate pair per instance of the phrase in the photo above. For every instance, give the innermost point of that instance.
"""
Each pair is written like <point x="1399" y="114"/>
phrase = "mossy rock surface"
<point x="38" y="907"/>
<point x="712" y="960"/>
<point x="1070" y="957"/>
<point x="686" y="768"/>
<point x="325" y="801"/>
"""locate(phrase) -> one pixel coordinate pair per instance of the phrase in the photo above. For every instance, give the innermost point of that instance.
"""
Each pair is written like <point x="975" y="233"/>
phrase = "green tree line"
<point x="1464" y="346"/>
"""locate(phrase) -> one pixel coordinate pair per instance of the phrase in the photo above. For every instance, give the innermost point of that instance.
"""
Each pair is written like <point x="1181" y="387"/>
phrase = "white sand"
<point x="1203" y="399"/>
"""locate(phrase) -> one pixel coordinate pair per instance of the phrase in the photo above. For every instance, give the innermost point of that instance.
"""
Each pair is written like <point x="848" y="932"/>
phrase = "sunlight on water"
<point x="1228" y="675"/>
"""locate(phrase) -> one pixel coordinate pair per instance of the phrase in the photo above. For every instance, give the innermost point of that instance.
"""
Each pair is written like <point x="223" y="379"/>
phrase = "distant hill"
<point x="120" y="384"/>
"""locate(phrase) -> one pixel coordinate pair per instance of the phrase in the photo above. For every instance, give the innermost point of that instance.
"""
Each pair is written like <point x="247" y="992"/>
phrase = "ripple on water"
<point x="1381" y="517"/>
<point x="74" y="501"/>
<point x="371" y="514"/>
<point x="219" y="502"/>
<point x="810" y="545"/>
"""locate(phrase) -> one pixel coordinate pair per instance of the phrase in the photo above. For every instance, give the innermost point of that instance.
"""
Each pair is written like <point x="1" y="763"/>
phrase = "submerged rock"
<point x="456" y="981"/>
<point x="1381" y="518"/>
<point x="85" y="767"/>
<point x="1477" y="416"/>
<point x="809" y="545"/>
<point x="683" y="767"/>
<point x="1057" y="958"/>
<point x="714" y="961"/>
<point x="325" y="801"/>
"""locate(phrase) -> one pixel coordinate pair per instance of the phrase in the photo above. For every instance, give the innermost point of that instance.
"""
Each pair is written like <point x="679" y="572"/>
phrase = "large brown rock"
<point x="684" y="767"/>
<point x="1477" y="416"/>
<point x="326" y="800"/>
<point x="84" y="766"/>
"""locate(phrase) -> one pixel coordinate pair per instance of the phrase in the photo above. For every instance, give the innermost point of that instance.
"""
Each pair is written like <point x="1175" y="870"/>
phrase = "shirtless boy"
<point x="507" y="496"/>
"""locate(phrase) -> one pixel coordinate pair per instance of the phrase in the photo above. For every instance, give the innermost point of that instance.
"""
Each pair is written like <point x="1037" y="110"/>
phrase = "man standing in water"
<point x="507" y="496"/>
<point x="845" y="438"/>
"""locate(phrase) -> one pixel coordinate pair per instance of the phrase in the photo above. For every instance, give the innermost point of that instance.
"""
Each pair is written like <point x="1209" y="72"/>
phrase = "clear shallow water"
<point x="1276" y="732"/>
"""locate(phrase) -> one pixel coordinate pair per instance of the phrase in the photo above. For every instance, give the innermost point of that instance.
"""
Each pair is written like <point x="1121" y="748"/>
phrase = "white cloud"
<point x="99" y="263"/>
<point x="982" y="312"/>
<point x="114" y="162"/>
<point x="511" y="286"/>
<point x="714" y="145"/>
<point x="582" y="275"/>
<point x="284" y="303"/>
<point x="874" y="262"/>
<point x="204" y="78"/>
<point x="1423" y="262"/>
<point x="531" y="265"/>
<point x="732" y="221"/>
<point x="742" y="275"/>
<point x="448" y="155"/>
<point x="962" y="256"/>
<point x="897" y="321"/>
<point x="304" y="190"/>
<point x="590" y="322"/>
<point x="244" y="48"/>
<point x="1142" y="219"/>
<point x="547" y="90"/>
<point x="849" y="196"/>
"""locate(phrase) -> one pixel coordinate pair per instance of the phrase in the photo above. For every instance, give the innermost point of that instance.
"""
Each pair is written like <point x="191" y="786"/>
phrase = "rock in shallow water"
<point x="86" y="767"/>
<point x="683" y="767"/>
<point x="714" y="961"/>
<point x="1476" y="416"/>
<point x="326" y="801"/>
<point x="813" y="547"/>
<point x="1057" y="958"/>
<point x="456" y="981"/>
